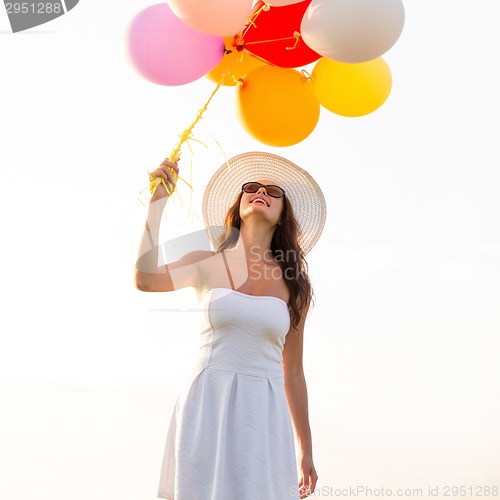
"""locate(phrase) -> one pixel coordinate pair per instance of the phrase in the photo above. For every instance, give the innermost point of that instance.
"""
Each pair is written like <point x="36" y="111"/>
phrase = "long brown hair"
<point x="286" y="251"/>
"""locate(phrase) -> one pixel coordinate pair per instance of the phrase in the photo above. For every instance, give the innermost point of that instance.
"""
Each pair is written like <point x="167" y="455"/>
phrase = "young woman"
<point x="231" y="433"/>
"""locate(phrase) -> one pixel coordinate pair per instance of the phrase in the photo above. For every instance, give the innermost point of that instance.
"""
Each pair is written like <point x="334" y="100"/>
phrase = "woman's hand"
<point x="168" y="171"/>
<point x="308" y="479"/>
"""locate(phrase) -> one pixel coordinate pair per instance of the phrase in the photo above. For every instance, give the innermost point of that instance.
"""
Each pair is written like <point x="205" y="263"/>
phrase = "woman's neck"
<point x="256" y="240"/>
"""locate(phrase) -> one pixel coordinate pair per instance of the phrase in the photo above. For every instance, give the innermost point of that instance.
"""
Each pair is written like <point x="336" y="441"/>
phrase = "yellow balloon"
<point x="351" y="89"/>
<point x="238" y="62"/>
<point x="276" y="105"/>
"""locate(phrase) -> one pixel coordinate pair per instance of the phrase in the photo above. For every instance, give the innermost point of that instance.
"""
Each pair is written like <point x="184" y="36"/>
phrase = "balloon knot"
<point x="296" y="35"/>
<point x="305" y="75"/>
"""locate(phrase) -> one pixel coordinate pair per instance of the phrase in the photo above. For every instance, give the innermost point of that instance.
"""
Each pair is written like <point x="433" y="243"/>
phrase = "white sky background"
<point x="402" y="349"/>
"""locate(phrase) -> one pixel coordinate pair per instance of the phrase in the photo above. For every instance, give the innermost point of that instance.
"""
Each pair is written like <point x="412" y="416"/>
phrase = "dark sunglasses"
<point x="271" y="190"/>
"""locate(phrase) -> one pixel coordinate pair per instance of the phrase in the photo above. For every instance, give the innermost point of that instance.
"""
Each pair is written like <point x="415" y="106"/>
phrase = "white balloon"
<point x="282" y="3"/>
<point x="352" y="31"/>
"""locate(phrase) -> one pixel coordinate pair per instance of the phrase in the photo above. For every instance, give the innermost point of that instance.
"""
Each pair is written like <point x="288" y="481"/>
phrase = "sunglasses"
<point x="271" y="190"/>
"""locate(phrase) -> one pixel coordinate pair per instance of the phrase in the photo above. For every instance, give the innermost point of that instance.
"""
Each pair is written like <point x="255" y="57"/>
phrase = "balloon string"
<point x="261" y="59"/>
<point x="251" y="23"/>
<point x="237" y="56"/>
<point x="295" y="37"/>
<point x="175" y="154"/>
<point x="251" y="20"/>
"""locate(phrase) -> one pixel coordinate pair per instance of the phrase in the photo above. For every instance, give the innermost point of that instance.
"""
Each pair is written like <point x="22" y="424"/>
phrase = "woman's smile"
<point x="260" y="199"/>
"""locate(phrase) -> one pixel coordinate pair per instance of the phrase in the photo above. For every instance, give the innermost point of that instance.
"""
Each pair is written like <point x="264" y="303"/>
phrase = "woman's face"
<point x="260" y="204"/>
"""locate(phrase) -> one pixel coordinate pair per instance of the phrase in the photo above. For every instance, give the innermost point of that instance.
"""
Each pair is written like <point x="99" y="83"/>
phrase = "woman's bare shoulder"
<point x="194" y="257"/>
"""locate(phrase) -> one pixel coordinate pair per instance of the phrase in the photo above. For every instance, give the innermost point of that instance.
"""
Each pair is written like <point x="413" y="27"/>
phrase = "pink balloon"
<point x="282" y="3"/>
<point x="166" y="51"/>
<point x="216" y="17"/>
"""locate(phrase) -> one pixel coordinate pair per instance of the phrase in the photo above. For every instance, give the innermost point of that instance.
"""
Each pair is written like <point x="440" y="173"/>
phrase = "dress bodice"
<point x="243" y="333"/>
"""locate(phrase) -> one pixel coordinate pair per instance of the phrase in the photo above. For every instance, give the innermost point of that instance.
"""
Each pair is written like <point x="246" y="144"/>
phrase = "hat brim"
<point x="307" y="199"/>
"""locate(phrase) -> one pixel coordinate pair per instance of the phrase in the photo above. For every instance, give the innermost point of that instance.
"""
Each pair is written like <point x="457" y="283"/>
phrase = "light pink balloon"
<point x="166" y="51"/>
<point x="282" y="3"/>
<point x="216" y="17"/>
<point x="352" y="31"/>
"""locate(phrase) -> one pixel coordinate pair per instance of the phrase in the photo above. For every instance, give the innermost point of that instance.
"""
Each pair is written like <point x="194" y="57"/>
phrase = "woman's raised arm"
<point x="148" y="275"/>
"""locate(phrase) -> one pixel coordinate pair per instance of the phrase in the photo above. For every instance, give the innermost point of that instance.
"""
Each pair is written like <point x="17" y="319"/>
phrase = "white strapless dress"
<point x="230" y="435"/>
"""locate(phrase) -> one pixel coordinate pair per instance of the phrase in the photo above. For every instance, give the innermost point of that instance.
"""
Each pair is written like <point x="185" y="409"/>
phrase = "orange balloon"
<point x="239" y="63"/>
<point x="276" y="105"/>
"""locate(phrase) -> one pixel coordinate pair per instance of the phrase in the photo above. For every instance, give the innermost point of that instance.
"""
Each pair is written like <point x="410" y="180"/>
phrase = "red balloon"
<point x="273" y="24"/>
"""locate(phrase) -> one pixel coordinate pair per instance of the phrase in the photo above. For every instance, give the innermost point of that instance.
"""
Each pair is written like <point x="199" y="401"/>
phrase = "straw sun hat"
<point x="303" y="192"/>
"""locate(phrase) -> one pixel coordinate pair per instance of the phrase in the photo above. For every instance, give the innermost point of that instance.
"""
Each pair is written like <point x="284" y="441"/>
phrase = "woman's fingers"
<point x="303" y="486"/>
<point x="307" y="483"/>
<point x="165" y="171"/>
<point x="171" y="164"/>
<point x="175" y="166"/>
<point x="167" y="176"/>
<point x="168" y="171"/>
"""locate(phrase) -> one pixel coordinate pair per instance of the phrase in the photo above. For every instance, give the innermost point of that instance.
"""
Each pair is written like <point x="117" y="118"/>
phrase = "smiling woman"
<point x="231" y="431"/>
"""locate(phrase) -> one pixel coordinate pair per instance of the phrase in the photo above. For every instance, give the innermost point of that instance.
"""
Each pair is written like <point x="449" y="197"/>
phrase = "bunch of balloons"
<point x="260" y="47"/>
